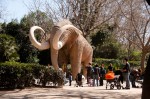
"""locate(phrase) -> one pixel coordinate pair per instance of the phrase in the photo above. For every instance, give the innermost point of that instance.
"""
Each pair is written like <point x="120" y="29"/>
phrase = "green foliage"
<point x="12" y="28"/>
<point x="8" y="48"/>
<point x="37" y="18"/>
<point x="135" y="64"/>
<point x="3" y="28"/>
<point x="27" y="52"/>
<point x="20" y="32"/>
<point x="105" y="44"/>
<point x="50" y="75"/>
<point x="99" y="38"/>
<point x="44" y="57"/>
<point x="20" y="75"/>
<point x="135" y="55"/>
<point x="108" y="50"/>
<point x="14" y="75"/>
<point x="116" y="63"/>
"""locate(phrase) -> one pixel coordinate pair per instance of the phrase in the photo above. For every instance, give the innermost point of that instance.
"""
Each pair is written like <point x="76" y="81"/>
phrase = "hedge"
<point x="135" y="64"/>
<point x="116" y="63"/>
<point x="20" y="75"/>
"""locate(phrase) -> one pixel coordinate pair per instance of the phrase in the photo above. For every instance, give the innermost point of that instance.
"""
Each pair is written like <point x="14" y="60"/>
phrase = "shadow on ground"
<point x="61" y="93"/>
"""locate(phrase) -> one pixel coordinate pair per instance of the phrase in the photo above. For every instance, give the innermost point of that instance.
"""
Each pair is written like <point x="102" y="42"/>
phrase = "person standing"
<point x="126" y="73"/>
<point x="96" y="75"/>
<point x="102" y="74"/>
<point x="70" y="78"/>
<point x="89" y="72"/>
<point x="110" y="67"/>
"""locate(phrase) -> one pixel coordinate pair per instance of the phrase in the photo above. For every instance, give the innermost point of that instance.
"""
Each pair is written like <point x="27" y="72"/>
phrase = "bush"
<point x="8" y="48"/>
<point x="117" y="64"/>
<point x="50" y="75"/>
<point x="135" y="64"/>
<point x="20" y="75"/>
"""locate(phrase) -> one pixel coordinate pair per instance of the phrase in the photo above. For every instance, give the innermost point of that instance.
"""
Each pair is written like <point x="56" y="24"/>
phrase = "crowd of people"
<point x="96" y="74"/>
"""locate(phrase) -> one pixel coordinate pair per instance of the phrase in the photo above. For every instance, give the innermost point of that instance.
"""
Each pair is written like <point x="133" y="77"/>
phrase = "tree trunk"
<point x="146" y="82"/>
<point x="143" y="61"/>
<point x="148" y="2"/>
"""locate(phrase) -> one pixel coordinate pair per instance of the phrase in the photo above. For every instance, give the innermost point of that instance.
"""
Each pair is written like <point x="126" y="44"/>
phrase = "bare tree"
<point x="135" y="23"/>
<point x="87" y="15"/>
<point x="38" y="16"/>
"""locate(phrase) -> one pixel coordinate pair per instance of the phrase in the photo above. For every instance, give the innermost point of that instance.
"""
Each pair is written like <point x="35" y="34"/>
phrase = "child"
<point x="90" y="82"/>
<point x="70" y="78"/>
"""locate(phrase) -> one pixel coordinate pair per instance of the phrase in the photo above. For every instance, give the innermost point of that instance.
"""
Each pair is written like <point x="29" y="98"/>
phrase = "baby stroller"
<point x="90" y="82"/>
<point x="136" y="79"/>
<point x="139" y="81"/>
<point x="112" y="80"/>
<point x="79" y="80"/>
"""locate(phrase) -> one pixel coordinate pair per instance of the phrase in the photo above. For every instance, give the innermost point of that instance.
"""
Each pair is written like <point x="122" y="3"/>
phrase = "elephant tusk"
<point x="40" y="46"/>
<point x="60" y="44"/>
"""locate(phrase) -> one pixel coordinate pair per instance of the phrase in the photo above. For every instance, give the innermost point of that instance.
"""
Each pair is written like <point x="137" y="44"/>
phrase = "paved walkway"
<point x="71" y="92"/>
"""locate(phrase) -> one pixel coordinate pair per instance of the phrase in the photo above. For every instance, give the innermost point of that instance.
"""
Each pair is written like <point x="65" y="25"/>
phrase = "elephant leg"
<point x="76" y="68"/>
<point x="75" y="60"/>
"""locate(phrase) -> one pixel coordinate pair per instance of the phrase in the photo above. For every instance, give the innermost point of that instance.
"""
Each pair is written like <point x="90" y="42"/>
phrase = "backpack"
<point x="96" y="70"/>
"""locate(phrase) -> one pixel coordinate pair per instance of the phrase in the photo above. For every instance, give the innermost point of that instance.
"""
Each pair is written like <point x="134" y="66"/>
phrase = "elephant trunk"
<point x="40" y="46"/>
<point x="54" y="58"/>
<point x="57" y="44"/>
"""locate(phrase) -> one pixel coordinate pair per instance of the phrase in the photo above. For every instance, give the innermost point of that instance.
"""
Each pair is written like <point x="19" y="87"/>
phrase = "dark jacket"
<point x="90" y="70"/>
<point x="96" y="70"/>
<point x="127" y="68"/>
<point x="102" y="71"/>
<point x="110" y="68"/>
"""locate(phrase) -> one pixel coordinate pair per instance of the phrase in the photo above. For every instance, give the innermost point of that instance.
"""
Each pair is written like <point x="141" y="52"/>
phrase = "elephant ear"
<point x="66" y="34"/>
<point x="72" y="35"/>
<point x="69" y="36"/>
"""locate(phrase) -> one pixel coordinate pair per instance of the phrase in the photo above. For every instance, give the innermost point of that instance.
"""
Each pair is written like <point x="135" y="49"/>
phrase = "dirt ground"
<point x="72" y="92"/>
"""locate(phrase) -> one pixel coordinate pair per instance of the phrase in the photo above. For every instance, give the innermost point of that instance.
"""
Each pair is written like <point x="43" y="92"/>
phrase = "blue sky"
<point x="14" y="9"/>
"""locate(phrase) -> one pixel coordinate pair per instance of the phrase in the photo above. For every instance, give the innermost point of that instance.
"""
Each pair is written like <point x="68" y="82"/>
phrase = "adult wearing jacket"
<point x="102" y="74"/>
<point x="126" y="73"/>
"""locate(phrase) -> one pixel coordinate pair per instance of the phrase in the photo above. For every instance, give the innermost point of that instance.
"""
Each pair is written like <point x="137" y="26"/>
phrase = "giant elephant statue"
<point x="67" y="45"/>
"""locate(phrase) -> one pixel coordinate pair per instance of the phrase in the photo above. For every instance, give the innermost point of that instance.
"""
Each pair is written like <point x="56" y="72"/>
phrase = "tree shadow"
<point x="59" y="93"/>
